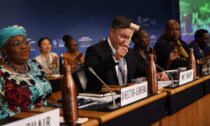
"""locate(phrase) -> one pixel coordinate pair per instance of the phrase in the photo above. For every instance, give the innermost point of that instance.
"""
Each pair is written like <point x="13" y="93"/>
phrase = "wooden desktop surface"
<point x="102" y="117"/>
<point x="90" y="122"/>
<point x="106" y="116"/>
<point x="194" y="114"/>
<point x="55" y="78"/>
<point x="172" y="91"/>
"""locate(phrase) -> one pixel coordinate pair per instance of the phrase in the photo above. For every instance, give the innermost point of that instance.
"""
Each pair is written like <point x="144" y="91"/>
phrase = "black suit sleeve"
<point x="101" y="63"/>
<point x="135" y="66"/>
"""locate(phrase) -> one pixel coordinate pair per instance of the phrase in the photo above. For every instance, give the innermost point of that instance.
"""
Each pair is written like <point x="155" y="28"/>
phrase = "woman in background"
<point x="142" y="49"/>
<point x="23" y="85"/>
<point x="142" y="46"/>
<point x="47" y="59"/>
<point x="72" y="57"/>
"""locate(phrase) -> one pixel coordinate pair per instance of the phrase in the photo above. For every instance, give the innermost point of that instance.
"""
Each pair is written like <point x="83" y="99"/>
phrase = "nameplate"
<point x="133" y="93"/>
<point x="185" y="77"/>
<point x="49" y="118"/>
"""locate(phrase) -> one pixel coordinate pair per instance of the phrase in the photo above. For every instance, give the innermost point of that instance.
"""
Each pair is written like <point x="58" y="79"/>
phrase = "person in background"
<point x="112" y="59"/>
<point x="171" y="51"/>
<point x="201" y="46"/>
<point x="72" y="57"/>
<point x="23" y="85"/>
<point x="47" y="59"/>
<point x="142" y="46"/>
<point x="201" y="49"/>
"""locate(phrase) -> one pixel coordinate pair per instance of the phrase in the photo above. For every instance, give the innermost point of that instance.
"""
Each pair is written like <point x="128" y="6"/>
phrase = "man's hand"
<point x="163" y="76"/>
<point x="173" y="55"/>
<point x="121" y="51"/>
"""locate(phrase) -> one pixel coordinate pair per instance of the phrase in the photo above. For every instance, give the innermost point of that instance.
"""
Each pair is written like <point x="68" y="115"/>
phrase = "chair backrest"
<point x="80" y="79"/>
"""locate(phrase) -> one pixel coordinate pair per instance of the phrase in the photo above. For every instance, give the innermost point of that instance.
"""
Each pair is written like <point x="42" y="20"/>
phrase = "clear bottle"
<point x="70" y="108"/>
<point x="152" y="75"/>
<point x="192" y="63"/>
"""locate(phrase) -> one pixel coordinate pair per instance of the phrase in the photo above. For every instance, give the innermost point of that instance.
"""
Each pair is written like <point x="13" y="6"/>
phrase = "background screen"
<point x="194" y="15"/>
<point x="87" y="21"/>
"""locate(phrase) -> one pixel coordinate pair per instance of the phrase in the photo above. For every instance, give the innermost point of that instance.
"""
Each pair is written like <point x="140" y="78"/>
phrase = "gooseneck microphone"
<point x="114" y="106"/>
<point x="166" y="73"/>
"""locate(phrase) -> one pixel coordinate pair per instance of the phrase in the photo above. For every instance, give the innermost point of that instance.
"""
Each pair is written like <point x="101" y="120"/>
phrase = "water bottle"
<point x="70" y="108"/>
<point x="152" y="75"/>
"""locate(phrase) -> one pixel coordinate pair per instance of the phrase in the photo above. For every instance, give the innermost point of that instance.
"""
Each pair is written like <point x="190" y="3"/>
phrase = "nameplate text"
<point x="49" y="118"/>
<point x="185" y="77"/>
<point x="133" y="93"/>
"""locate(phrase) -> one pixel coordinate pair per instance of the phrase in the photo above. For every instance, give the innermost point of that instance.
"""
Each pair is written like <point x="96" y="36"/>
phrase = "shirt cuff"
<point x="115" y="60"/>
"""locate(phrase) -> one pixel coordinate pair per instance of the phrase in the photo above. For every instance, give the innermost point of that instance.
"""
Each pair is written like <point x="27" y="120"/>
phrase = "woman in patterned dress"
<point x="23" y="85"/>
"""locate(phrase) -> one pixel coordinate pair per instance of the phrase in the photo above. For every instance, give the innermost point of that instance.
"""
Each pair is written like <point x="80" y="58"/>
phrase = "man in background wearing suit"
<point x="171" y="51"/>
<point x="201" y="49"/>
<point x="201" y="46"/>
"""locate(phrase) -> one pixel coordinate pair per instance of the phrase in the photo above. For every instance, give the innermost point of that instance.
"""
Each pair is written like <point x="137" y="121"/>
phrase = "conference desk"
<point x="188" y="105"/>
<point x="143" y="112"/>
<point x="56" y="88"/>
<point x="130" y="114"/>
<point x="36" y="111"/>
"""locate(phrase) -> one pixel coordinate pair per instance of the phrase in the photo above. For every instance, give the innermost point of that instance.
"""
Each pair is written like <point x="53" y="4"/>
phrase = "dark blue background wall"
<point x="87" y="21"/>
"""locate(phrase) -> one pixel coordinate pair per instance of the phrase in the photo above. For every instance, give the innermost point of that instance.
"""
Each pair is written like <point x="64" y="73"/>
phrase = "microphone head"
<point x="91" y="70"/>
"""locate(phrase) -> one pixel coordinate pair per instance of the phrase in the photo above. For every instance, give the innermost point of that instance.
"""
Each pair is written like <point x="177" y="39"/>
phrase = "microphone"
<point x="173" y="85"/>
<point x="148" y="50"/>
<point x="114" y="106"/>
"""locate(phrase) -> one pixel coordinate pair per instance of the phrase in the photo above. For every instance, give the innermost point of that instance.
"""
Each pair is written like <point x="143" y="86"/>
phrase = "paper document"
<point x="106" y="99"/>
<point x="162" y="84"/>
<point x="99" y="94"/>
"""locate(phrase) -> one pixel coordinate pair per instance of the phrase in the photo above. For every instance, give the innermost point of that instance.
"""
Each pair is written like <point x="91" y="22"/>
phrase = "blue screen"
<point x="87" y="21"/>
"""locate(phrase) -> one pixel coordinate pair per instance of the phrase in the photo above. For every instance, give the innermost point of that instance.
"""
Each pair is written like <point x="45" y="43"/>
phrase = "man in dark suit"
<point x="201" y="46"/>
<point x="171" y="51"/>
<point x="201" y="49"/>
<point x="106" y="56"/>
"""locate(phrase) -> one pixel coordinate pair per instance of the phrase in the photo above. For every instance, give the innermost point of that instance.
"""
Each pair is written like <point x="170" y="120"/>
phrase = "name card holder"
<point x="185" y="77"/>
<point x="134" y="93"/>
<point x="49" y="118"/>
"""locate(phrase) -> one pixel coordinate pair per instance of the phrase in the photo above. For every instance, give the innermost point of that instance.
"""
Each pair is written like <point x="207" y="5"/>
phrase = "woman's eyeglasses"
<point x="19" y="43"/>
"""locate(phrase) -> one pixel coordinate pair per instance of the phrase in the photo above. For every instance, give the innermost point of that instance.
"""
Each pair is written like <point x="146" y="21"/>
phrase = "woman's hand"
<point x="55" y="61"/>
<point x="78" y="57"/>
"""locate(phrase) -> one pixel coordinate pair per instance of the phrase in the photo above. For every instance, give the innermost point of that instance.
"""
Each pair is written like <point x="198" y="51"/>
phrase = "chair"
<point x="80" y="79"/>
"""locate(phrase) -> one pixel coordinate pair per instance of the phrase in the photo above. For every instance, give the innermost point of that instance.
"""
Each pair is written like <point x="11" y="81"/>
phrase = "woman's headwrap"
<point x="10" y="31"/>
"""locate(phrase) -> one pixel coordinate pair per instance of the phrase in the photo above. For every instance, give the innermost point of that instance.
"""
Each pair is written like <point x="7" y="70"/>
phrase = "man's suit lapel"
<point x="108" y="51"/>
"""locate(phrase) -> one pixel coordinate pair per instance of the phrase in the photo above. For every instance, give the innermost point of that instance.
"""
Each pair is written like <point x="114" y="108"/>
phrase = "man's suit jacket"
<point x="163" y="48"/>
<point x="197" y="50"/>
<point x="100" y="58"/>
